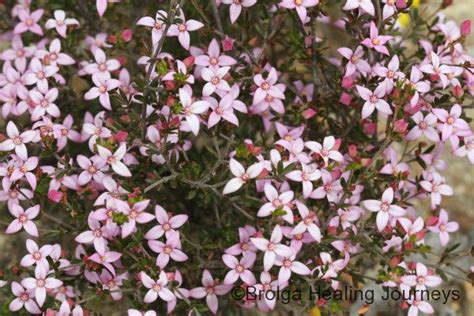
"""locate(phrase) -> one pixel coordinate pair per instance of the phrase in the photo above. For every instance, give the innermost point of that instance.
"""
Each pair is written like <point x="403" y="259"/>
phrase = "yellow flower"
<point x="315" y="311"/>
<point x="404" y="19"/>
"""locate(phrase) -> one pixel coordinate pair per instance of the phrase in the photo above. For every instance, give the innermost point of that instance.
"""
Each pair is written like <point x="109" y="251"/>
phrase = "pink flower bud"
<point x="370" y="128"/>
<point x="458" y="91"/>
<point x="55" y="196"/>
<point x="189" y="61"/>
<point x="127" y="35"/>
<point x="352" y="151"/>
<point x="400" y="126"/>
<point x="112" y="39"/>
<point x="121" y="136"/>
<point x="309" y="113"/>
<point x="345" y="98"/>
<point x="401" y="4"/>
<point x="337" y="144"/>
<point x="431" y="221"/>
<point x="466" y="28"/>
<point x="347" y="82"/>
<point x="227" y="44"/>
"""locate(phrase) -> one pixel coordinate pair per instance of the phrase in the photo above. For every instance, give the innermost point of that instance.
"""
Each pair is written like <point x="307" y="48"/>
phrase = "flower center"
<point x="37" y="255"/>
<point x="24" y="297"/>
<point x="442" y="227"/>
<point x="287" y="263"/>
<point x="166" y="226"/>
<point x="182" y="28"/>
<point x="23" y="218"/>
<point x="422" y="125"/>
<point x="44" y="103"/>
<point x="40" y="283"/>
<point x="308" y="220"/>
<point x="156" y="287"/>
<point x="210" y="290"/>
<point x="420" y="280"/>
<point x="40" y="75"/>
<point x="213" y="61"/>
<point x="92" y="169"/>
<point x="268" y="98"/>
<point x="215" y="80"/>
<point x="327" y="188"/>
<point x="97" y="232"/>
<point x="13" y="194"/>
<point x="265" y="86"/>
<point x="133" y="214"/>
<point x="111" y="160"/>
<point x="245" y="177"/>
<point x="277" y="203"/>
<point x="103" y="89"/>
<point x="29" y="22"/>
<point x="167" y="250"/>
<point x="244" y="246"/>
<point x="157" y="25"/>
<point x="376" y="41"/>
<point x="390" y="74"/>
<point x="324" y="152"/>
<point x="298" y="2"/>
<point x="17" y="140"/>
<point x="271" y="246"/>
<point x="20" y="53"/>
<point x="373" y="99"/>
<point x="102" y="67"/>
<point x="239" y="268"/>
<point x="385" y="207"/>
<point x="450" y="120"/>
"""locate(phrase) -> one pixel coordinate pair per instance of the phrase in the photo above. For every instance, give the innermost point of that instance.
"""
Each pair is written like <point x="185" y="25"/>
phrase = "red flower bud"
<point x="370" y="128"/>
<point x="400" y="126"/>
<point x="112" y="39"/>
<point x="189" y="61"/>
<point x="347" y="82"/>
<point x="309" y="113"/>
<point x="401" y="4"/>
<point x="352" y="150"/>
<point x="458" y="91"/>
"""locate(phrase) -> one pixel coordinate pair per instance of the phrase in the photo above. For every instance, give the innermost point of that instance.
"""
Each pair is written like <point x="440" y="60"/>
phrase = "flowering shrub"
<point x="169" y="152"/>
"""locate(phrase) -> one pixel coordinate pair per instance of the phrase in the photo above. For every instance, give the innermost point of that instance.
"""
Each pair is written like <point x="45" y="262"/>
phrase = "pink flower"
<point x="44" y="104"/>
<point x="54" y="55"/>
<point x="373" y="100"/>
<point x="215" y="80"/>
<point x="38" y="74"/>
<point x="390" y="8"/>
<point x="244" y="246"/>
<point x="436" y="187"/>
<point x="29" y="22"/>
<point x="18" y="53"/>
<point x="41" y="283"/>
<point x="240" y="269"/>
<point x="157" y="24"/>
<point x="377" y="41"/>
<point x="135" y="214"/>
<point x="167" y="226"/>
<point x="92" y="169"/>
<point x="105" y="257"/>
<point x="210" y="290"/>
<point x="60" y="23"/>
<point x="466" y="149"/>
<point x="355" y="61"/>
<point x="421" y="280"/>
<point x="300" y="7"/>
<point x="96" y="235"/>
<point x="306" y="175"/>
<point x="101" y="90"/>
<point x="214" y="57"/>
<point x="157" y="288"/>
<point x="114" y="159"/>
<point x="289" y="265"/>
<point x="222" y="110"/>
<point x="277" y="201"/>
<point x="192" y="109"/>
<point x="182" y="30"/>
<point x="307" y="223"/>
<point x="418" y="305"/>
<point x="227" y="44"/>
<point x="36" y="255"/>
<point x="435" y="68"/>
<point x="366" y="5"/>
<point x="242" y="176"/>
<point x="419" y="85"/>
<point x="327" y="150"/>
<point x="272" y="247"/>
<point x="236" y="7"/>
<point x="23" y="170"/>
<point x="24" y="298"/>
<point x="384" y="208"/>
<point x="425" y="126"/>
<point x="391" y="73"/>
<point x="450" y="121"/>
<point x="23" y="220"/>
<point x="102" y="65"/>
<point x="331" y="267"/>
<point x="17" y="141"/>
<point x="267" y="87"/>
<point x="443" y="227"/>
<point x="330" y="189"/>
<point x="170" y="249"/>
